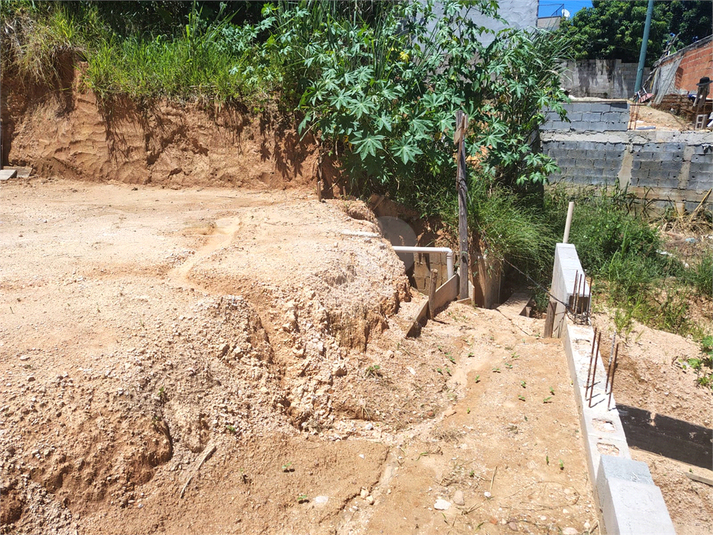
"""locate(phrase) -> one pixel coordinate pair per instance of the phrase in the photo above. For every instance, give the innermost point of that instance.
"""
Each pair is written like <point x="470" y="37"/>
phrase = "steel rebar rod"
<point x="591" y="358"/>
<point x="611" y="381"/>
<point x="594" y="369"/>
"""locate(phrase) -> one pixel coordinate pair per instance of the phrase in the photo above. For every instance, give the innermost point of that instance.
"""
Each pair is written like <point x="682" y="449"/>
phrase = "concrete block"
<point x="592" y="117"/>
<point x="583" y="107"/>
<point x="671" y="156"/>
<point x="566" y="161"/>
<point x="631" y="504"/>
<point x="600" y="107"/>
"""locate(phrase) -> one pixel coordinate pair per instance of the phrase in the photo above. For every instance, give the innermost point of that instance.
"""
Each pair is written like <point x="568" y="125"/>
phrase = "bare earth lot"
<point x="141" y="329"/>
<point x="231" y="361"/>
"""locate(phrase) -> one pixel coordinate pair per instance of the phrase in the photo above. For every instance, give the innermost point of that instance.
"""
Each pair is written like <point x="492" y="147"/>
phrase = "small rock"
<point x="389" y="354"/>
<point x="370" y="500"/>
<point x="441" y="505"/>
<point x="570" y="531"/>
<point x="487" y="495"/>
<point x="364" y="493"/>
<point x="458" y="498"/>
<point x="30" y="378"/>
<point x="25" y="357"/>
<point x="512" y="526"/>
<point x="321" y="500"/>
<point x="369" y="426"/>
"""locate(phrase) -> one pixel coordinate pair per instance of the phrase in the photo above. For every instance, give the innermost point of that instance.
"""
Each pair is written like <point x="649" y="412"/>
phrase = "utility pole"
<point x="462" y="189"/>
<point x="644" y="44"/>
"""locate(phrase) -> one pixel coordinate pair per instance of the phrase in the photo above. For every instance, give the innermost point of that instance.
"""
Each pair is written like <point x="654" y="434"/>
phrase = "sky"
<point x="548" y="7"/>
<point x="575" y="5"/>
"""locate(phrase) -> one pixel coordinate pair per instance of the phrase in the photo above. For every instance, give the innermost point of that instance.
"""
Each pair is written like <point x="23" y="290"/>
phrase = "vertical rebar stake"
<point x="591" y="357"/>
<point x="573" y="301"/>
<point x="611" y="380"/>
<point x="594" y="369"/>
<point x="578" y="285"/>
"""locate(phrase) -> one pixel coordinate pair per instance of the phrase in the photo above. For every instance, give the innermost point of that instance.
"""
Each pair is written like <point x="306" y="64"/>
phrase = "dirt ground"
<point x="235" y="361"/>
<point x="232" y="361"/>
<point x="650" y="376"/>
<point x="646" y="116"/>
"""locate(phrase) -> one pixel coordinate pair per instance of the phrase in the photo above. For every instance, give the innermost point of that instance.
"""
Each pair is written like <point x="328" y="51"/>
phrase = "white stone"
<point x="458" y="498"/>
<point x="441" y="505"/>
<point x="321" y="500"/>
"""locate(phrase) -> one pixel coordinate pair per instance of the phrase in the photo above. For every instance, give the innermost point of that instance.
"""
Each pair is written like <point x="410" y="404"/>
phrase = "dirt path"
<point x="141" y="328"/>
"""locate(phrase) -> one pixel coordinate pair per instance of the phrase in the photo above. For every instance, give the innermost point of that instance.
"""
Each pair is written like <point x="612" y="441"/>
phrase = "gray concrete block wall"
<point x="590" y="116"/>
<point x="675" y="168"/>
<point x="586" y="162"/>
<point x="600" y="78"/>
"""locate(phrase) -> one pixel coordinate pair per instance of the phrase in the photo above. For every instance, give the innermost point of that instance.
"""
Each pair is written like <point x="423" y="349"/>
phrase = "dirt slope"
<point x="74" y="135"/>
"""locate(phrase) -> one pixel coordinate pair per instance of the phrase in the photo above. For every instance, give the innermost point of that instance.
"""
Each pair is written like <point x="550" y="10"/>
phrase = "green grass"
<point x="700" y="275"/>
<point x="215" y="61"/>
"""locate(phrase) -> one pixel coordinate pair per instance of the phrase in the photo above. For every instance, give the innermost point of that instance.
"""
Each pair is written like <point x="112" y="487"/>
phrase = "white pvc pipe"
<point x="427" y="250"/>
<point x="568" y="224"/>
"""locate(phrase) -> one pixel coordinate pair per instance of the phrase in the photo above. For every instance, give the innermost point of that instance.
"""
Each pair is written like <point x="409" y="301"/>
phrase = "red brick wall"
<point x="695" y="64"/>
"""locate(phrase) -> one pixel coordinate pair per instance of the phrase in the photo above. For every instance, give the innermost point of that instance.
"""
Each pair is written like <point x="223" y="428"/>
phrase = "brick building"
<point x="681" y="71"/>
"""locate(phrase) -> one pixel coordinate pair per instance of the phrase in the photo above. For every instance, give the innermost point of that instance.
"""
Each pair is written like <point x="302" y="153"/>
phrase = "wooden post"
<point x="462" y="189"/>
<point x="432" y="294"/>
<point x="550" y="319"/>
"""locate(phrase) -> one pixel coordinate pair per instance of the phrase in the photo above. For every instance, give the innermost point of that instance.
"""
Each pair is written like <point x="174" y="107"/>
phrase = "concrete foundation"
<point x="629" y="502"/>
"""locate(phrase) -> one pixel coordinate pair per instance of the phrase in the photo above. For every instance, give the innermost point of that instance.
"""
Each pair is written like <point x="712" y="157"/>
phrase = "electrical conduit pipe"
<point x="427" y="250"/>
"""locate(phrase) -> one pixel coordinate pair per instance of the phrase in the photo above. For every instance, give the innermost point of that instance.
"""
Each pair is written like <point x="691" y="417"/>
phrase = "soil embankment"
<point x="73" y="135"/>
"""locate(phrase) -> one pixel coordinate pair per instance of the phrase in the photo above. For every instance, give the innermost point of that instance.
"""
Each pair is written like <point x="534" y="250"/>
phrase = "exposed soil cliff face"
<point x="70" y="133"/>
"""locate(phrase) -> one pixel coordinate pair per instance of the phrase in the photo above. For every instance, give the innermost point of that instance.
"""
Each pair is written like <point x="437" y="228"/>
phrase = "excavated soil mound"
<point x="144" y="327"/>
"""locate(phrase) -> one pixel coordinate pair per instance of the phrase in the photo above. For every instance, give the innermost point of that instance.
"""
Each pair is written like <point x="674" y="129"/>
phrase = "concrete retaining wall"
<point x="603" y="78"/>
<point x="668" y="167"/>
<point x="629" y="502"/>
<point x="590" y="116"/>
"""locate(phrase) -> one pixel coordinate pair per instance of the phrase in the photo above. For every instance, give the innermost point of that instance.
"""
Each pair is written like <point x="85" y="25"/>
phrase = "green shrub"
<point x="383" y="93"/>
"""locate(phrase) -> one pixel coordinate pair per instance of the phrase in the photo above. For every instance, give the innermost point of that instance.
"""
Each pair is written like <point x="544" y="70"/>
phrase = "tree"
<point x="613" y="29"/>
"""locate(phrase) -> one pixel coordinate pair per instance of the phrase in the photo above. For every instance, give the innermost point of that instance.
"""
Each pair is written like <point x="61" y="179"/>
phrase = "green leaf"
<point x="406" y="150"/>
<point x="368" y="145"/>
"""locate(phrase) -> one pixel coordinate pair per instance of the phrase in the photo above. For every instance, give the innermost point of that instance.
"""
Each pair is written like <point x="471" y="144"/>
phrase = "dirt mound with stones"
<point x="153" y="334"/>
